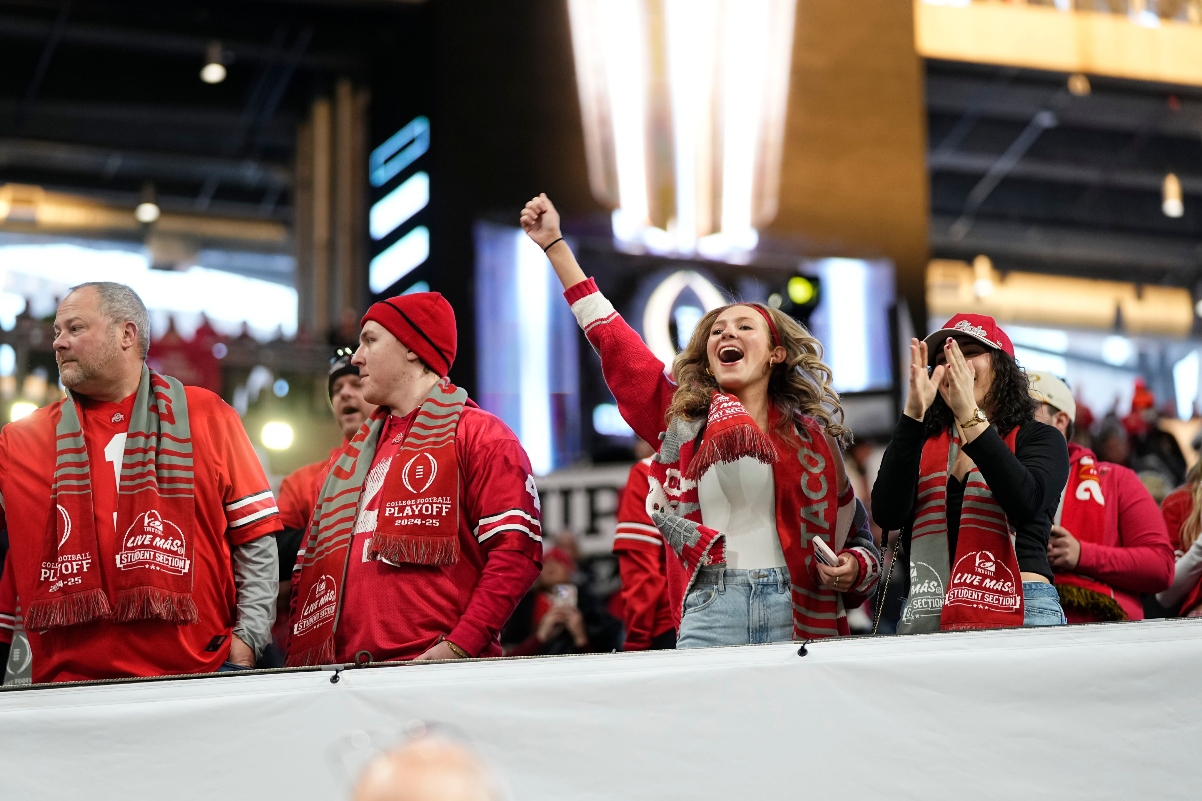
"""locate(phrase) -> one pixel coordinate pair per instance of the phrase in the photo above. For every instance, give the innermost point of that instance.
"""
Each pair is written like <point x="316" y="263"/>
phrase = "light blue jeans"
<point x="1041" y="605"/>
<point x="737" y="607"/>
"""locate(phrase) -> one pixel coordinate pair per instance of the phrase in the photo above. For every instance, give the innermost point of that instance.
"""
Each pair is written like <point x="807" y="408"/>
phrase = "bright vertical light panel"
<point x="533" y="344"/>
<point x="742" y="88"/>
<point x="846" y="283"/>
<point x="1185" y="385"/>
<point x="691" y="39"/>
<point x="399" y="259"/>
<point x="392" y="210"/>
<point x="624" y="49"/>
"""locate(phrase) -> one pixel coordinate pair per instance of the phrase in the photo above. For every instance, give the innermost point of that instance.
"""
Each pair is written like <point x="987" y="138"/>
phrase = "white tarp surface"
<point x="1100" y="711"/>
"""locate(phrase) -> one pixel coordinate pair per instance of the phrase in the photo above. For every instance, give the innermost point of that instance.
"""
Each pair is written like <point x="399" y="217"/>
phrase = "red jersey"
<point x="642" y="557"/>
<point x="233" y="503"/>
<point x="299" y="491"/>
<point x="398" y="611"/>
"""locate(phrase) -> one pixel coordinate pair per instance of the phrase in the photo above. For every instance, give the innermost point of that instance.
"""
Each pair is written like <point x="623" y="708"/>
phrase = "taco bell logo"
<point x="986" y="564"/>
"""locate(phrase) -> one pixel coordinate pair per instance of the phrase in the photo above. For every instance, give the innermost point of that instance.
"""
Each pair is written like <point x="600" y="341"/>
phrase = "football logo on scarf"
<point x="320" y="605"/>
<point x="66" y="525"/>
<point x="982" y="581"/>
<point x="154" y="543"/>
<point x="421" y="469"/>
<point x="926" y="593"/>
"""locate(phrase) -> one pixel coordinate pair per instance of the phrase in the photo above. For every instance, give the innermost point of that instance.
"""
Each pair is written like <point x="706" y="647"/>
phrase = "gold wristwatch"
<point x="978" y="416"/>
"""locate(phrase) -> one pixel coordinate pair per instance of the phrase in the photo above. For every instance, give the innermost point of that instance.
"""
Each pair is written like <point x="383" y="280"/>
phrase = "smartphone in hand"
<point x="824" y="553"/>
<point x="565" y="595"/>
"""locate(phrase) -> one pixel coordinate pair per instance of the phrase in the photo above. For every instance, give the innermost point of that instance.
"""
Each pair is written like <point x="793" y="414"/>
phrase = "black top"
<point x="1027" y="485"/>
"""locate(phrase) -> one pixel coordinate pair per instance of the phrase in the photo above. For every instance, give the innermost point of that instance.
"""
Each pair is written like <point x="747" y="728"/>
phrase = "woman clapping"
<point x="972" y="481"/>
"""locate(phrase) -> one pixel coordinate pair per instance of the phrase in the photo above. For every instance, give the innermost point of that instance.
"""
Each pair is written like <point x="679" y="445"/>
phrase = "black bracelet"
<point x="553" y="244"/>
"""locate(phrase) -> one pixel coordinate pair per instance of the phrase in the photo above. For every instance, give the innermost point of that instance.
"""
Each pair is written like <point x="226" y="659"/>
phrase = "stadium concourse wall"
<point x="1095" y="711"/>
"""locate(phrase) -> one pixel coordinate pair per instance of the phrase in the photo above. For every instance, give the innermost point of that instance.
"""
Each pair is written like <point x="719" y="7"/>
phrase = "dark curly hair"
<point x="1007" y="398"/>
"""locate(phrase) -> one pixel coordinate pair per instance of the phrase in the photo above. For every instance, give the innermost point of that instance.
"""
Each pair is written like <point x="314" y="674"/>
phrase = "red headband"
<point x="771" y="325"/>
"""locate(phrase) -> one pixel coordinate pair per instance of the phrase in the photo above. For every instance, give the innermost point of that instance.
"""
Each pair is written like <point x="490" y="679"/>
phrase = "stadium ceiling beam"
<point x="1061" y="172"/>
<point x="159" y="41"/>
<point x="64" y="119"/>
<point x="109" y="162"/>
<point x="1073" y="251"/>
<point x="1101" y="110"/>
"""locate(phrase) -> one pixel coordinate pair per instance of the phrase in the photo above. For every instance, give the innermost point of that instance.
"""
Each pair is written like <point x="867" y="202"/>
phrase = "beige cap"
<point x="1047" y="388"/>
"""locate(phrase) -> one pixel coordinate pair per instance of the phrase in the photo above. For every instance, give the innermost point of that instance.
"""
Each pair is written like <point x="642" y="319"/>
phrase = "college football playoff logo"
<point x="419" y="472"/>
<point x="66" y="525"/>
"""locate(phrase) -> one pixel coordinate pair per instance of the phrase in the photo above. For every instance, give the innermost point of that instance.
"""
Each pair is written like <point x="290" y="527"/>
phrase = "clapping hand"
<point x="959" y="382"/>
<point x="923" y="385"/>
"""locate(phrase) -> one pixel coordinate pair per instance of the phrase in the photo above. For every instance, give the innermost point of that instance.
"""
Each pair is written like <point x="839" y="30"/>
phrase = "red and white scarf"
<point x="983" y="589"/>
<point x="418" y="521"/>
<point x="807" y="502"/>
<point x="1083" y="512"/>
<point x="151" y="577"/>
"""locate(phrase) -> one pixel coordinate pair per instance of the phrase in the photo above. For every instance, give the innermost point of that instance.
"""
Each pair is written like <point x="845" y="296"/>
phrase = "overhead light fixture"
<point x="683" y="107"/>
<point x="148" y="210"/>
<point x="1172" y="203"/>
<point x="1078" y="84"/>
<point x="982" y="274"/>
<point x="214" y="69"/>
<point x="277" y="436"/>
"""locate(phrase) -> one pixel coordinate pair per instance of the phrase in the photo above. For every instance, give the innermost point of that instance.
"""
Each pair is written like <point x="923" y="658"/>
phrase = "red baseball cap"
<point x="980" y="327"/>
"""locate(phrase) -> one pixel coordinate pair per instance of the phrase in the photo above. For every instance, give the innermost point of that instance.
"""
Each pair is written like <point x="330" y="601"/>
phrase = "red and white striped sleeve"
<point x="634" y="375"/>
<point x="635" y="531"/>
<point x="503" y="509"/>
<point x="249" y="506"/>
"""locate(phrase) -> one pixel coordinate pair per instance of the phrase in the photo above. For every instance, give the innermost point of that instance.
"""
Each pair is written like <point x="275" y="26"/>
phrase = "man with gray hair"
<point x="139" y="517"/>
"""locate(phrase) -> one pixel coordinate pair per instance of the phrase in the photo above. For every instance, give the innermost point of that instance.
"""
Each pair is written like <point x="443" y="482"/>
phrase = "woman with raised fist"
<point x="972" y="481"/>
<point x="747" y="485"/>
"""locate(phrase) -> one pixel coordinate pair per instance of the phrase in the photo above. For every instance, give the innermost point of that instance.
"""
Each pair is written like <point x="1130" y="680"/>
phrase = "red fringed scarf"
<point x="418" y="522"/>
<point x="152" y="574"/>
<point x="983" y="589"/>
<point x="807" y="502"/>
<point x="1083" y="513"/>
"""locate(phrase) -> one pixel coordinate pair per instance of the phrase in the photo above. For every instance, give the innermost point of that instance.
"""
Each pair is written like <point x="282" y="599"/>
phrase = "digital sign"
<point x="400" y="239"/>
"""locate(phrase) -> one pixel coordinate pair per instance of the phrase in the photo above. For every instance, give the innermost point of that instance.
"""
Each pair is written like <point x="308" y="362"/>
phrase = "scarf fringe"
<point x="320" y="654"/>
<point x="154" y="603"/>
<point x="416" y="550"/>
<point x="69" y="610"/>
<point x="730" y="446"/>
<point x="1097" y="605"/>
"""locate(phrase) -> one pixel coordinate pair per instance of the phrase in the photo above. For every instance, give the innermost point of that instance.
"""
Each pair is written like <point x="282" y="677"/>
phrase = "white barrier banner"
<point x="1096" y="711"/>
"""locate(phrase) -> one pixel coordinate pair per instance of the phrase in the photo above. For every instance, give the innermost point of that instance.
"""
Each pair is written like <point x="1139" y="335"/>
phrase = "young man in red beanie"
<point x="1109" y="542"/>
<point x="427" y="529"/>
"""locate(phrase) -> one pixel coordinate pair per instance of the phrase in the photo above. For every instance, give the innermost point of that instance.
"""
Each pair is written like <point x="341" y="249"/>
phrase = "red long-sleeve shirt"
<point x="396" y="612"/>
<point x="1135" y="555"/>
<point x="639" y="547"/>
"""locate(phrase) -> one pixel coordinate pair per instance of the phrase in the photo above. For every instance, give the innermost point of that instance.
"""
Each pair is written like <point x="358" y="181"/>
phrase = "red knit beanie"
<point x="424" y="322"/>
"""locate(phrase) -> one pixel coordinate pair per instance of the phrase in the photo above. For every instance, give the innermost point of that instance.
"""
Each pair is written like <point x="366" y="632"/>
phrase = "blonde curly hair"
<point x="801" y="384"/>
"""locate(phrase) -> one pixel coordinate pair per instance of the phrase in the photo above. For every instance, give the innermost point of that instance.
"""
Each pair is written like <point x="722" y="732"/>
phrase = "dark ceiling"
<point x="1035" y="177"/>
<point x="100" y="97"/>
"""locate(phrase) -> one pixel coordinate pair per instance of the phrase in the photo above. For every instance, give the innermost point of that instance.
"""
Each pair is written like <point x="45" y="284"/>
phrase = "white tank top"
<point x="739" y="499"/>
